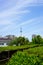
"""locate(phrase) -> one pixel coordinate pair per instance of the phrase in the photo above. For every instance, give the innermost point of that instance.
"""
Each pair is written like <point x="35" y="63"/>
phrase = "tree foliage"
<point x="19" y="41"/>
<point x="24" y="41"/>
<point x="37" y="40"/>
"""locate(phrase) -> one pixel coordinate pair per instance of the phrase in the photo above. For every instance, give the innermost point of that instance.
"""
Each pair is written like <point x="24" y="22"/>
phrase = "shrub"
<point x="22" y="58"/>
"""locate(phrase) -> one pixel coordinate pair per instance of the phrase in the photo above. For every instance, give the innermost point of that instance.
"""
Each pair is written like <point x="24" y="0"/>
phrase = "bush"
<point x="19" y="41"/>
<point x="22" y="58"/>
<point x="37" y="39"/>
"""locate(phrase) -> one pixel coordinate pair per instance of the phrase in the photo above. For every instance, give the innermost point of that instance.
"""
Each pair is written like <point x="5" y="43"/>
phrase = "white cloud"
<point x="34" y="20"/>
<point x="12" y="12"/>
<point x="5" y="22"/>
<point x="15" y="26"/>
<point x="16" y="10"/>
<point x="40" y="1"/>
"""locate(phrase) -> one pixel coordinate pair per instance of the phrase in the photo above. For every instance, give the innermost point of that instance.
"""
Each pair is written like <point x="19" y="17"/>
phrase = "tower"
<point x="21" y="31"/>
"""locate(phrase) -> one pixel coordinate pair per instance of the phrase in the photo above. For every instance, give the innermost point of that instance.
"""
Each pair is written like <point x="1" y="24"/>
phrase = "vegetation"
<point x="35" y="51"/>
<point x="32" y="53"/>
<point x="19" y="41"/>
<point x="37" y="40"/>
<point x="30" y="56"/>
<point x="22" y="58"/>
<point x="17" y="47"/>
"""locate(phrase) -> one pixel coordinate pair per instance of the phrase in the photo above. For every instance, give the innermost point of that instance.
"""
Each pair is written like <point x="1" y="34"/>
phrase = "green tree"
<point x="13" y="42"/>
<point x="23" y="40"/>
<point x="19" y="41"/>
<point x="37" y="39"/>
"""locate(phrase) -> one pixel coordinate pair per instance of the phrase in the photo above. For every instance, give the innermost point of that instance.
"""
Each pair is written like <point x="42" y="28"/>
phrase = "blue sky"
<point x="27" y="14"/>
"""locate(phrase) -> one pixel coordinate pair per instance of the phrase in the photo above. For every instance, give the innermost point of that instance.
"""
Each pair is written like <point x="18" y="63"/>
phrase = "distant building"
<point x="4" y="41"/>
<point x="33" y="36"/>
<point x="10" y="36"/>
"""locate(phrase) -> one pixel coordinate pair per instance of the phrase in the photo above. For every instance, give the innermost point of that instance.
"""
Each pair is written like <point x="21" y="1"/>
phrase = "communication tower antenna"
<point x="21" y="31"/>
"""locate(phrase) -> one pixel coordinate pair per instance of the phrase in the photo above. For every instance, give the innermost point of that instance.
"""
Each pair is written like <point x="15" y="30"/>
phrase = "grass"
<point x="31" y="56"/>
<point x="35" y="50"/>
<point x="8" y="48"/>
<point x="32" y="49"/>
